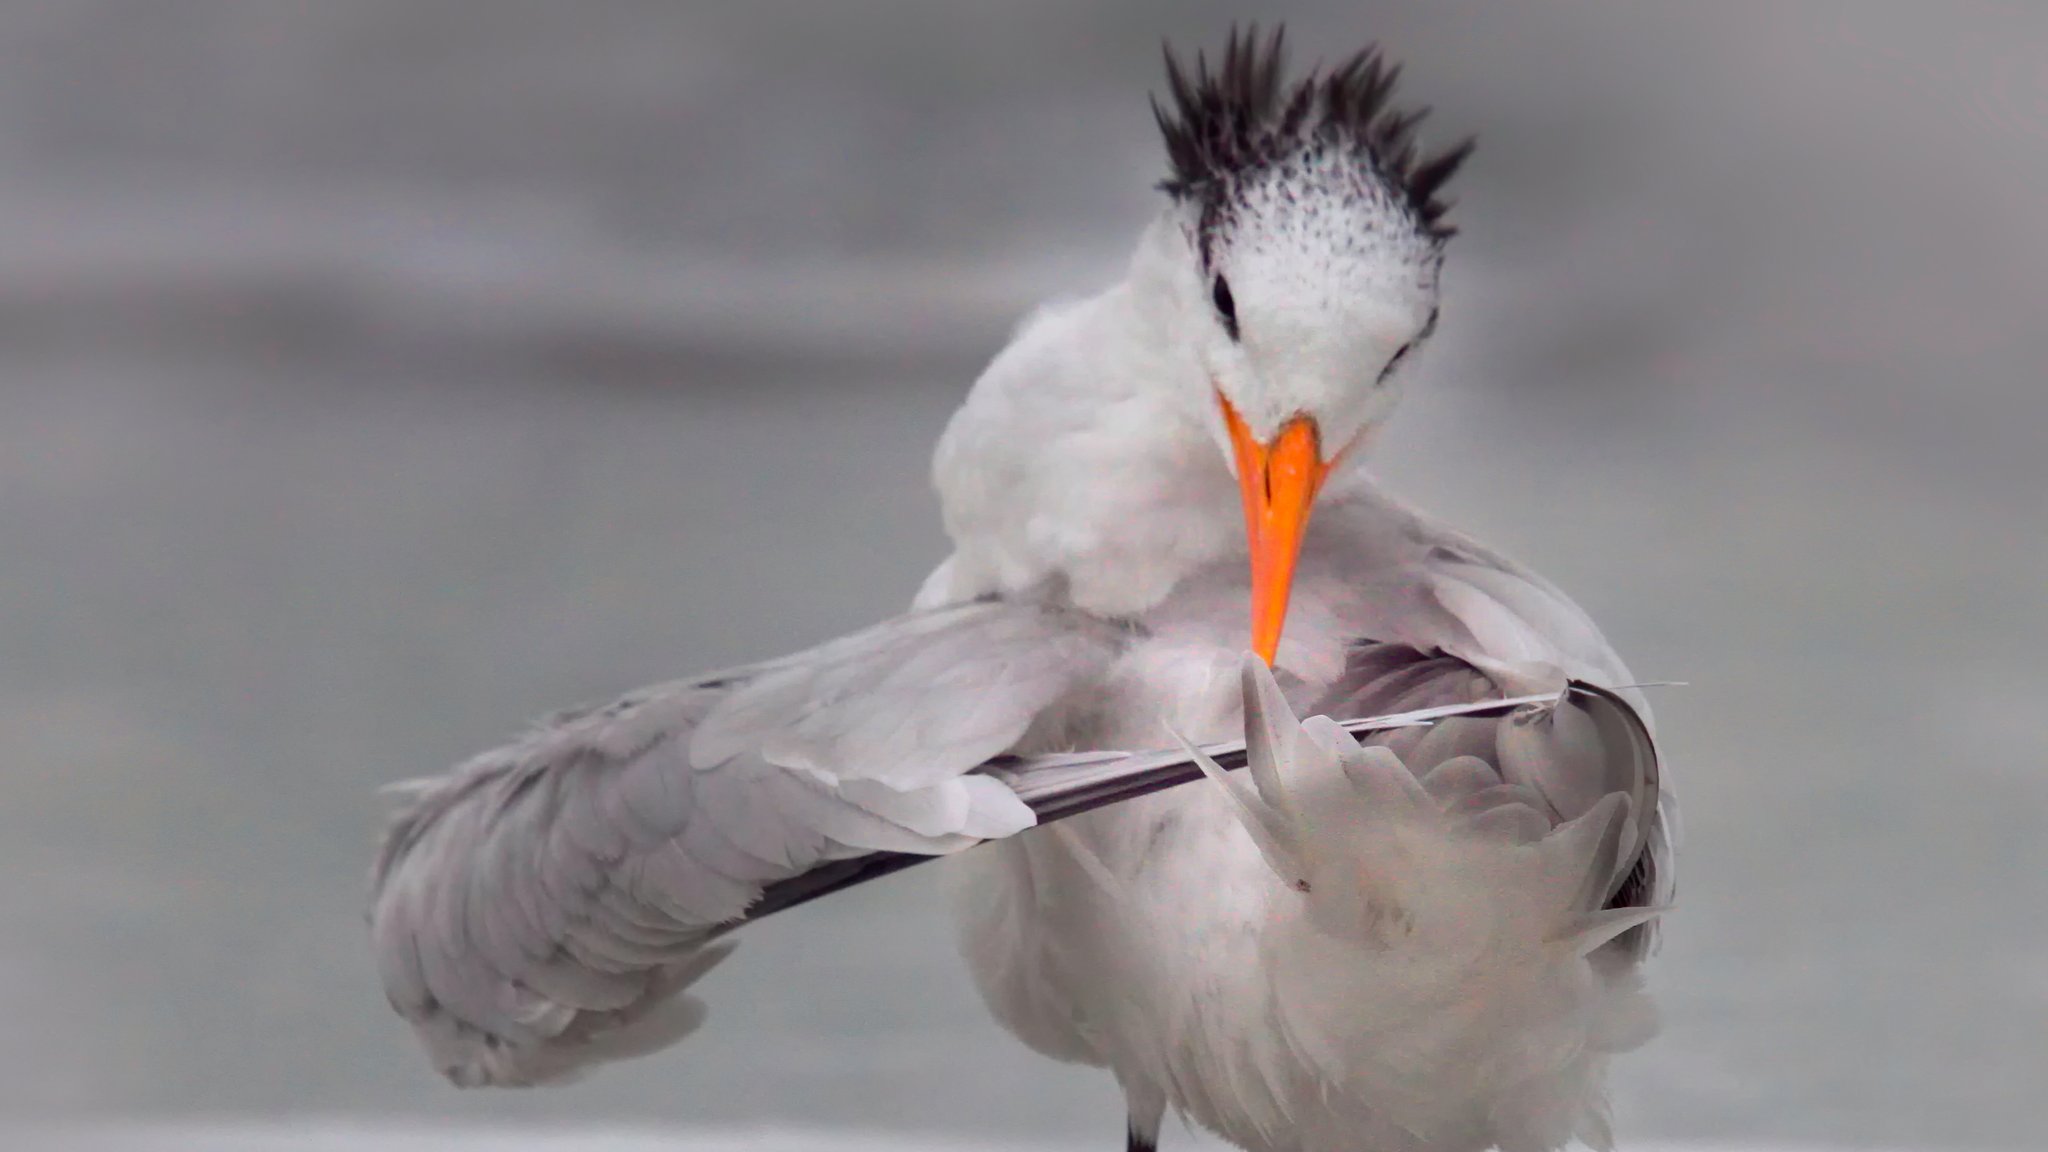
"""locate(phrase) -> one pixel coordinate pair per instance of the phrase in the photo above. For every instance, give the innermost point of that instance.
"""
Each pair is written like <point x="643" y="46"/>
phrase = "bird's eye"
<point x="1226" y="306"/>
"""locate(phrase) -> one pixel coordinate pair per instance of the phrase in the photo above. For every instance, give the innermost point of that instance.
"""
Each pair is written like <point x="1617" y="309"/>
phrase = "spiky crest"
<point x="1243" y="115"/>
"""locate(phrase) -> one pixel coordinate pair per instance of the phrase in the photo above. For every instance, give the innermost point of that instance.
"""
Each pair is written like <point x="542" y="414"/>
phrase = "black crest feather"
<point x="1245" y="114"/>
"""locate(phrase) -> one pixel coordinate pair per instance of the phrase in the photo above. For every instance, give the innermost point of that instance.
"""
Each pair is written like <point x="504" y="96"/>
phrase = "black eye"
<point x="1226" y="306"/>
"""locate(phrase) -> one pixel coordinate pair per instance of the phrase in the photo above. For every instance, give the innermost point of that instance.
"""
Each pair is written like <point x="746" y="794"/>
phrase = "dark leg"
<point x="1146" y="1107"/>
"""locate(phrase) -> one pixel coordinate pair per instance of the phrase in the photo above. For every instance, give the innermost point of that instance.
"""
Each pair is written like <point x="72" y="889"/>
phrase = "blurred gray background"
<point x="376" y="375"/>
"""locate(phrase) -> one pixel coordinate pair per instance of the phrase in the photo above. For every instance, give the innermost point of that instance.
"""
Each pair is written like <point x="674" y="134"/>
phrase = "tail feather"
<point x="1445" y="945"/>
<point x="1592" y="931"/>
<point x="1374" y="772"/>
<point x="1459" y="776"/>
<point x="1580" y="859"/>
<point x="1268" y="828"/>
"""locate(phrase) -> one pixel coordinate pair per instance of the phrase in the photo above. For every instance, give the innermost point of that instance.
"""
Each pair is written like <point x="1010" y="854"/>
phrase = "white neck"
<point x="1087" y="459"/>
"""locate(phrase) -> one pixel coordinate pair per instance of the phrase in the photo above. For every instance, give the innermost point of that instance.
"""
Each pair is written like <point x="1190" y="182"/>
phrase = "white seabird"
<point x="1428" y="946"/>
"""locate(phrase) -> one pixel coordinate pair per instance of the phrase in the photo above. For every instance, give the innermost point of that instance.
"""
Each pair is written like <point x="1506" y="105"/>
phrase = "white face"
<point x="1317" y="288"/>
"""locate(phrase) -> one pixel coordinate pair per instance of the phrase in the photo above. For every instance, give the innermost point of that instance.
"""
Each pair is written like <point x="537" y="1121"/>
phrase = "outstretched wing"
<point x="540" y="908"/>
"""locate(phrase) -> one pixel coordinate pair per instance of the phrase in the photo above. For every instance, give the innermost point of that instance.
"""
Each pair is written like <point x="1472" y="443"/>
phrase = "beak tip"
<point x="1265" y="649"/>
<point x="1278" y="482"/>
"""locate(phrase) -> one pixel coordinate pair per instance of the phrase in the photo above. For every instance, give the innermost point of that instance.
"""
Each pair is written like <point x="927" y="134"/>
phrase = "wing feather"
<point x="536" y="910"/>
<point x="1559" y="761"/>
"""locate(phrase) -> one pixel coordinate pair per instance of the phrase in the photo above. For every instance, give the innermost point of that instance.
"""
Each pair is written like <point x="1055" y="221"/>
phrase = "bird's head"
<point x="1313" y="235"/>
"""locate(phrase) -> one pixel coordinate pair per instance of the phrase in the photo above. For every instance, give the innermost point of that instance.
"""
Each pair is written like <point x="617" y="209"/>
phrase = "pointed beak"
<point x="1278" y="480"/>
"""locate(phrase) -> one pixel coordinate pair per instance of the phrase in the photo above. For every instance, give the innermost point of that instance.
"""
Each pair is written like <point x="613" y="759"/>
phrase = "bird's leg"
<point x="1146" y="1107"/>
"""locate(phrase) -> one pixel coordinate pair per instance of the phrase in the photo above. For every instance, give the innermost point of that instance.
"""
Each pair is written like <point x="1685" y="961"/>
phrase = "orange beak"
<point x="1279" y="482"/>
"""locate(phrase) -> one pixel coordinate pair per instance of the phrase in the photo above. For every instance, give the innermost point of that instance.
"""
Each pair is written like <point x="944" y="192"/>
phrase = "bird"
<point x="1431" y="940"/>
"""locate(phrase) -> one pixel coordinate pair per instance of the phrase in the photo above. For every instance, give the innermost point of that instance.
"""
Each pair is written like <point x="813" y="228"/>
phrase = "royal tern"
<point x="1431" y="944"/>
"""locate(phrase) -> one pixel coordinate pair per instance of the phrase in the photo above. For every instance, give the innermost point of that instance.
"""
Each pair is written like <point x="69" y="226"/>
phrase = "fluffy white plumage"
<point x="1086" y="461"/>
<point x="1430" y="945"/>
<point x="1450" y="980"/>
<point x="1137" y="937"/>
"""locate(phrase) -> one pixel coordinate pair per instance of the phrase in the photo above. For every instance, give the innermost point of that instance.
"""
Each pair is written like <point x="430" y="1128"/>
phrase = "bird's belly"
<point x="1129" y="937"/>
<point x="1135" y="945"/>
<point x="1143" y="952"/>
<point x="1140" y="937"/>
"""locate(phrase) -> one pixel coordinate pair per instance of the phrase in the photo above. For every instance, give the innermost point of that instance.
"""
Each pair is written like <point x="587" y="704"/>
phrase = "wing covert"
<point x="541" y="907"/>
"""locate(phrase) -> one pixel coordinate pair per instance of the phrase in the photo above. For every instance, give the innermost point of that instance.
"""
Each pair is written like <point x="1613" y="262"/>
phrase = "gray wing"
<point x="1557" y="754"/>
<point x="1558" y="759"/>
<point x="540" y="908"/>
